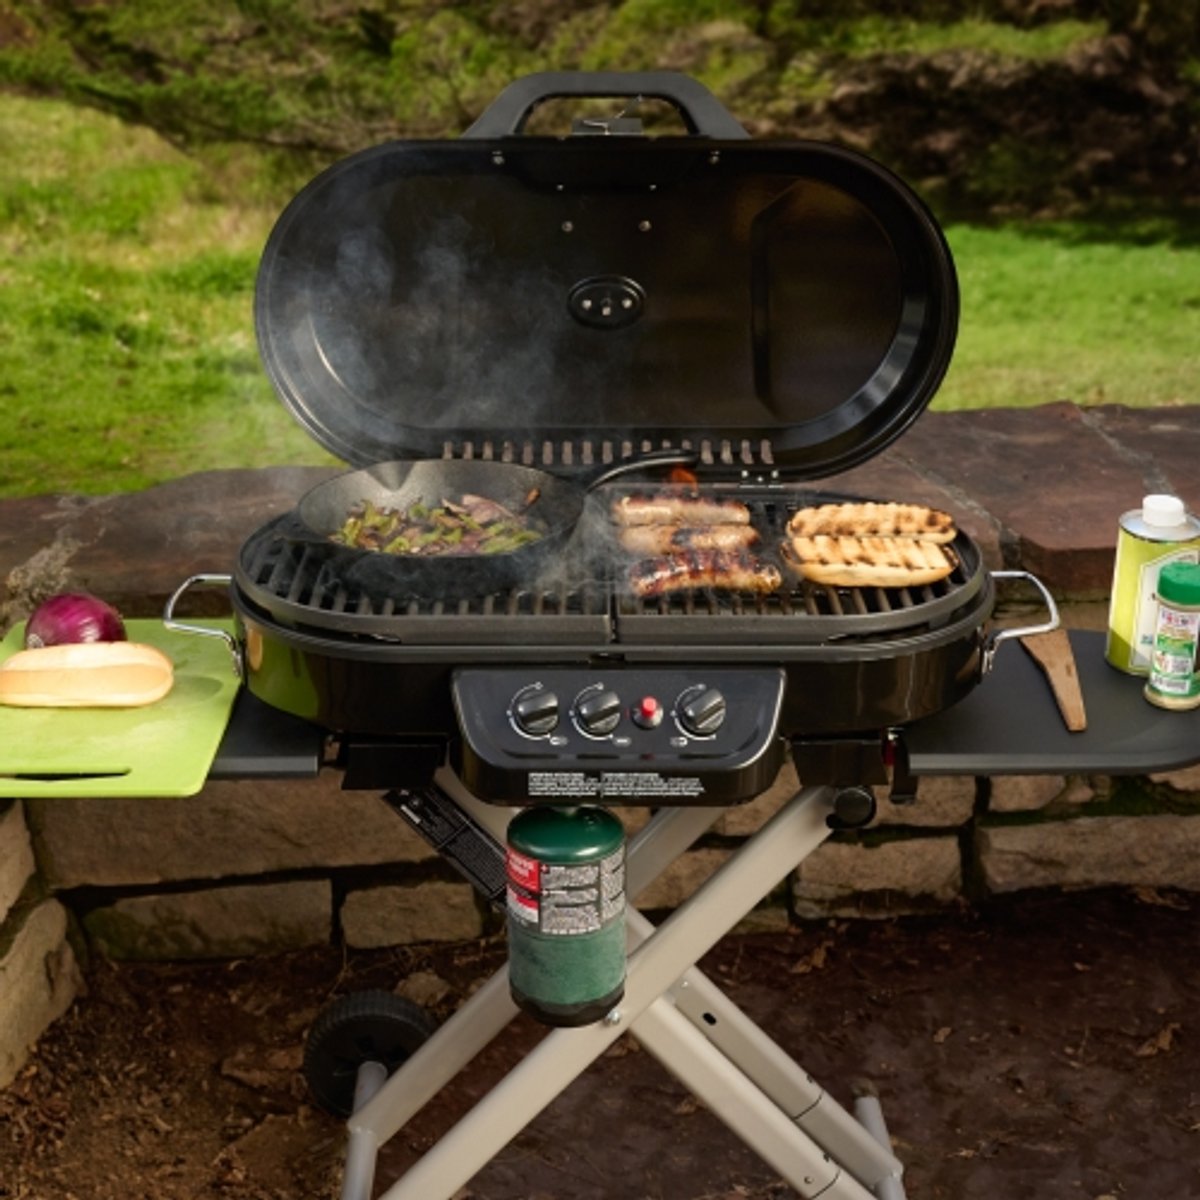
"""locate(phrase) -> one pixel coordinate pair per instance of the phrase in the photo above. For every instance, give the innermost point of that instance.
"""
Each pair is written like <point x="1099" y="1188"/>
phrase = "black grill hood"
<point x="508" y="288"/>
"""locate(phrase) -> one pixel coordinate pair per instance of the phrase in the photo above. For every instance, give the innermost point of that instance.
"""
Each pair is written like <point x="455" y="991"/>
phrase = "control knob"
<point x="598" y="712"/>
<point x="535" y="711"/>
<point x="701" y="711"/>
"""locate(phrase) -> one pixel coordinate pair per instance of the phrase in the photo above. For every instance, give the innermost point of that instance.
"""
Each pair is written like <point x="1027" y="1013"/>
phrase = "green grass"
<point x="890" y="35"/>
<point x="818" y="49"/>
<point x="127" y="352"/>
<point x="1050" y="315"/>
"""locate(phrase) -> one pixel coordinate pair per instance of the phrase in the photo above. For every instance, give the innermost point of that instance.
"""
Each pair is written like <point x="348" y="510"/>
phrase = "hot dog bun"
<point x="868" y="561"/>
<point x="868" y="519"/>
<point x="86" y="675"/>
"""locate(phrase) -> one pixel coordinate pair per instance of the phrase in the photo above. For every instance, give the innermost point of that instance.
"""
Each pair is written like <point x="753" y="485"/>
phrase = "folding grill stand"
<point x="672" y="1009"/>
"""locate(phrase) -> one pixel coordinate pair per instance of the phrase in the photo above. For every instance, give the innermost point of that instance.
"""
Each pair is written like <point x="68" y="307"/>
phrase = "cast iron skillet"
<point x="555" y="512"/>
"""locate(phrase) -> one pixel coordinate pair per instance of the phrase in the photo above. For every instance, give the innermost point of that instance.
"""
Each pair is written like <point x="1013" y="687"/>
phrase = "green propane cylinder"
<point x="566" y="913"/>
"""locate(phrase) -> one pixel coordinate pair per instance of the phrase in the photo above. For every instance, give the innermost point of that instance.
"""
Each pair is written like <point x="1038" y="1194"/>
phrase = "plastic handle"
<point x="702" y="112"/>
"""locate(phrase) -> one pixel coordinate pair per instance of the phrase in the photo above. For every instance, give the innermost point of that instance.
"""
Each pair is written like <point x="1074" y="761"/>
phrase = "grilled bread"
<point x="868" y="561"/>
<point x="867" y="519"/>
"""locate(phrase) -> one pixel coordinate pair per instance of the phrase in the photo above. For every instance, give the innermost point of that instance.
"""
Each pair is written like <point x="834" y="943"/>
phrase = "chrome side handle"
<point x="989" y="647"/>
<point x="170" y="621"/>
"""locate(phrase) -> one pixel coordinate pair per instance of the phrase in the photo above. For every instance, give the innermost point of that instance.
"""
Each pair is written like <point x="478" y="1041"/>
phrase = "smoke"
<point x="412" y="309"/>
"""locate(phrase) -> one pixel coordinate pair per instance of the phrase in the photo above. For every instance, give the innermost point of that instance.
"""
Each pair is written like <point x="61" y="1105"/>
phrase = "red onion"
<point x="73" y="617"/>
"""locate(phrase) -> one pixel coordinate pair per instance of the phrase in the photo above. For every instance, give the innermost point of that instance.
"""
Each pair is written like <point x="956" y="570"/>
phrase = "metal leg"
<point x="776" y="1074"/>
<point x="653" y="967"/>
<point x="363" y="1150"/>
<point x="436" y="1062"/>
<point x="484" y="1016"/>
<point x="743" y="1107"/>
<point x="682" y="1018"/>
<point x="869" y="1112"/>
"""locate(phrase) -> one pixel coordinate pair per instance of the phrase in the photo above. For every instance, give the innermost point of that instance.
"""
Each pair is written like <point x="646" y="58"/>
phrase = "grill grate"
<point x="805" y="613"/>
<point x="581" y="600"/>
<point x="299" y="584"/>
<point x="801" y="612"/>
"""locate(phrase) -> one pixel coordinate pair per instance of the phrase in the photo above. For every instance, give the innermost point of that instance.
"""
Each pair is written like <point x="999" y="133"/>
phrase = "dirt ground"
<point x="1042" y="1046"/>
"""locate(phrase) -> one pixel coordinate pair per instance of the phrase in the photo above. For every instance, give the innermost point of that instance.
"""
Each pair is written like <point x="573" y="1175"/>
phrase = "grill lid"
<point x="529" y="289"/>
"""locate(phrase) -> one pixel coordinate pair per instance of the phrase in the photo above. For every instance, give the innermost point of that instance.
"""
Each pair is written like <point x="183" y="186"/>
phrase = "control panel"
<point x="618" y="735"/>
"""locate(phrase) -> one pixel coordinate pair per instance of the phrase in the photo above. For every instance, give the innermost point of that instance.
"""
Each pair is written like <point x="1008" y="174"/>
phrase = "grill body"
<point x="386" y="688"/>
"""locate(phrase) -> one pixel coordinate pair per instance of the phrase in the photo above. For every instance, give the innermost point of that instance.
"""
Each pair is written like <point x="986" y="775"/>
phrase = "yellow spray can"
<point x="1160" y="532"/>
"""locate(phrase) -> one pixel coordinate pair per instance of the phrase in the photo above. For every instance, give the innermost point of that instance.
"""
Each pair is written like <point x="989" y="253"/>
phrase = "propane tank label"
<point x="612" y="887"/>
<point x="522" y="870"/>
<point x="566" y="899"/>
<point x="524" y="908"/>
<point x="555" y="878"/>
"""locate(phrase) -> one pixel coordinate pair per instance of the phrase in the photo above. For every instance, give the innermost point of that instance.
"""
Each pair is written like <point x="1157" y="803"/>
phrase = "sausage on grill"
<point x="739" y="572"/>
<point x="664" y="508"/>
<point x="670" y="539"/>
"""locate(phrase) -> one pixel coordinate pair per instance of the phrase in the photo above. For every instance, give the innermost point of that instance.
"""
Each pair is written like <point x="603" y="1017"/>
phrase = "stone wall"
<point x="39" y="976"/>
<point x="254" y="867"/>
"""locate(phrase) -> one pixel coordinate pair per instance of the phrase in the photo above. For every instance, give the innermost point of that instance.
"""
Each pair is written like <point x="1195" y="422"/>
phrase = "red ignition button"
<point x="647" y="713"/>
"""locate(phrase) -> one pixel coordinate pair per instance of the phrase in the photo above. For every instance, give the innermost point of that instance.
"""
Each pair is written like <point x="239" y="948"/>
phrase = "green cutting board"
<point x="160" y="749"/>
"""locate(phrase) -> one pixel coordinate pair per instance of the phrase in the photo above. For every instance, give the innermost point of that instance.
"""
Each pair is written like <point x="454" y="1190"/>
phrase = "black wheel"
<point x="362" y="1027"/>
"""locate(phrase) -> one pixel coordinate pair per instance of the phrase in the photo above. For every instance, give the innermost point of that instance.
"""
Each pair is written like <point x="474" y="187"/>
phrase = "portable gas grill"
<point x="770" y="313"/>
<point x="447" y="315"/>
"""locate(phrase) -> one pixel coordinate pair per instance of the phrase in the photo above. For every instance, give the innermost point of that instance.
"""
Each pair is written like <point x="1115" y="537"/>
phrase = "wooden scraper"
<point x="1052" y="652"/>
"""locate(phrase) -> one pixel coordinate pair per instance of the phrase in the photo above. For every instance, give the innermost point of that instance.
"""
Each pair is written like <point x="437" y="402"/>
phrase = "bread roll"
<point x="867" y="519"/>
<point x="868" y="561"/>
<point x="86" y="675"/>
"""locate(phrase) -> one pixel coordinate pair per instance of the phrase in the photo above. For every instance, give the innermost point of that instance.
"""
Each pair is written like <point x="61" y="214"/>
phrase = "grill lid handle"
<point x="702" y="113"/>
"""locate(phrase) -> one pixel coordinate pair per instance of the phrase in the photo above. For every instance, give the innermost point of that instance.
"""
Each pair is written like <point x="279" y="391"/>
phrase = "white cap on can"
<point x="1163" y="512"/>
